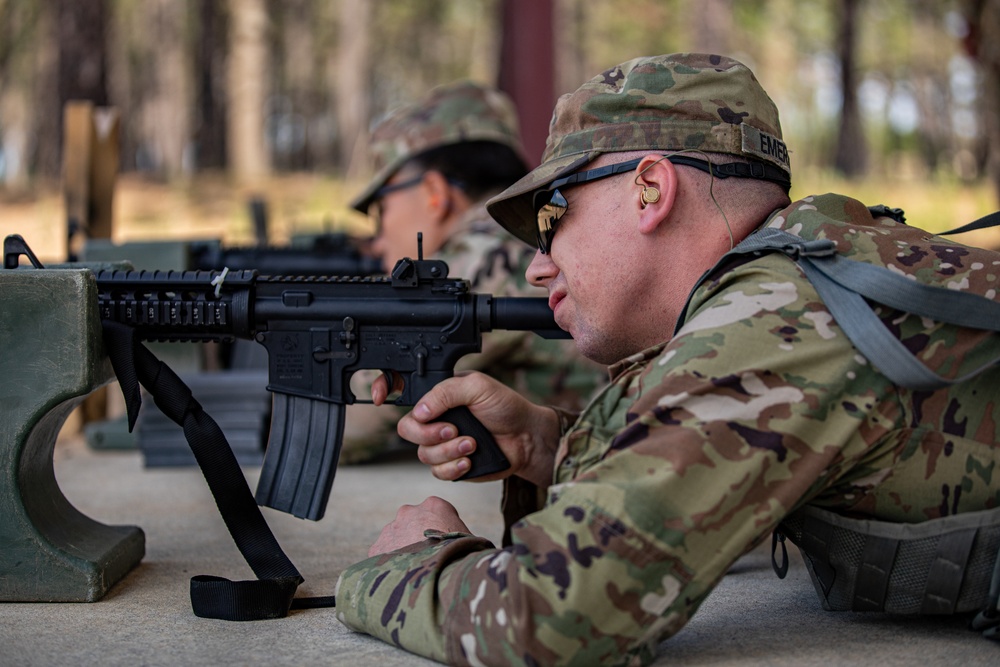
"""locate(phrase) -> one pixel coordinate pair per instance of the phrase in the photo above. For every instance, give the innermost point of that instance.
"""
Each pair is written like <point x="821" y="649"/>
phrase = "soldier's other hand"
<point x="412" y="520"/>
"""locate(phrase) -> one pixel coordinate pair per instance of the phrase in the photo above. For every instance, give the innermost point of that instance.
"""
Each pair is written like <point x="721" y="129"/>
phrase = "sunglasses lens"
<point x="548" y="214"/>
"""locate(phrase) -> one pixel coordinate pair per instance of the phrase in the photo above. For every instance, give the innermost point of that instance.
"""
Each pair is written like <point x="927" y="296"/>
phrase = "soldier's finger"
<point x="425" y="434"/>
<point x="448" y="472"/>
<point x="446" y="452"/>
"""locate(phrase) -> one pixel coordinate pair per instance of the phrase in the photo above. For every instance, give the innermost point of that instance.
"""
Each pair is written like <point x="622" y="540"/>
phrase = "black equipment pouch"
<point x="942" y="566"/>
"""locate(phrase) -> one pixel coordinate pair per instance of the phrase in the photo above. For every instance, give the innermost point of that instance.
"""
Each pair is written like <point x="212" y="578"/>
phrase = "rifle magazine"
<point x="301" y="457"/>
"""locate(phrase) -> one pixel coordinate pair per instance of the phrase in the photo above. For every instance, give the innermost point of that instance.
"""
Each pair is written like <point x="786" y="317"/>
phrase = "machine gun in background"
<point x="331" y="254"/>
<point x="325" y="254"/>
<point x="322" y="254"/>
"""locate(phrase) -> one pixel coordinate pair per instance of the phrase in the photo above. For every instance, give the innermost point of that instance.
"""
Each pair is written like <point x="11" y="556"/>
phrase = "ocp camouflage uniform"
<point x="697" y="450"/>
<point x="755" y="406"/>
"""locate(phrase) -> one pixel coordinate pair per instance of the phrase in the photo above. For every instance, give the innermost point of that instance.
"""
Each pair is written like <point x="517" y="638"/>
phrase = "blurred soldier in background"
<point x="436" y="164"/>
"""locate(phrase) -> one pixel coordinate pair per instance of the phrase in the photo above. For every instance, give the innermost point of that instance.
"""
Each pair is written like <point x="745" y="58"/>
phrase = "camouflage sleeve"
<point x="370" y="601"/>
<point x="688" y="460"/>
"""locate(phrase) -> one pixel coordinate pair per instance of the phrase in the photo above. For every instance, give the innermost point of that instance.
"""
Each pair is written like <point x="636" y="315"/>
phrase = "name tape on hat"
<point x="765" y="146"/>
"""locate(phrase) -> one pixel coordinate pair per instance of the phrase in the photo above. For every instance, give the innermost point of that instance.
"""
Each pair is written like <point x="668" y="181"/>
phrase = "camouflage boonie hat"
<point x="660" y="103"/>
<point x="450" y="114"/>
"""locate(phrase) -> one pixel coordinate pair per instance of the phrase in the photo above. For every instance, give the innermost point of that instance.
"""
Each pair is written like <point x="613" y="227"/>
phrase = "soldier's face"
<point x="399" y="214"/>
<point x="590" y="270"/>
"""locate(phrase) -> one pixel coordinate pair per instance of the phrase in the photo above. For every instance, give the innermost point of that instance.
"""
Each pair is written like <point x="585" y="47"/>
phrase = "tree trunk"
<point x="79" y="33"/>
<point x="247" y="74"/>
<point x="210" y="135"/>
<point x="22" y="41"/>
<point x="571" y="64"/>
<point x="983" y="44"/>
<point x="351" y="83"/>
<point x="296" y="100"/>
<point x="527" y="69"/>
<point x="81" y="51"/>
<point x="166" y="120"/>
<point x="711" y="24"/>
<point x="851" y="158"/>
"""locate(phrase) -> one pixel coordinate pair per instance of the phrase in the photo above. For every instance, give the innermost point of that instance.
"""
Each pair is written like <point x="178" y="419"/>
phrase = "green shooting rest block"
<point x="51" y="357"/>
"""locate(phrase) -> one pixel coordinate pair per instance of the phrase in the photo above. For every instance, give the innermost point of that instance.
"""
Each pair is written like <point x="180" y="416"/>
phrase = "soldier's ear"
<point x="439" y="195"/>
<point x="654" y="192"/>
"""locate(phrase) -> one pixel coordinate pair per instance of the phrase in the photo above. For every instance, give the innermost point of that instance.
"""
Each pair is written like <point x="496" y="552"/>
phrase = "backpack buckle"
<point x="814" y="248"/>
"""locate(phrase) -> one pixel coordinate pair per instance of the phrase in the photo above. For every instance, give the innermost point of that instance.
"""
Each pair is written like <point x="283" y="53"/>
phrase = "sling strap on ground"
<point x="272" y="595"/>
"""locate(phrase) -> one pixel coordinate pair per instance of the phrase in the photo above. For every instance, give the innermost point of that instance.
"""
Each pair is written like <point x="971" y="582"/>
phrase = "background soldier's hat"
<point x="450" y="114"/>
<point x="660" y="103"/>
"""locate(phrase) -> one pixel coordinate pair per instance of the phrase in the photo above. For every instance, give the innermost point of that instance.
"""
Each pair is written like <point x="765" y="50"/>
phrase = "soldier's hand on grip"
<point x="528" y="434"/>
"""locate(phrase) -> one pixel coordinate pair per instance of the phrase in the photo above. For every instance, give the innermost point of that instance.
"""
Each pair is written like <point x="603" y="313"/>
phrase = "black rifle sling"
<point x="272" y="594"/>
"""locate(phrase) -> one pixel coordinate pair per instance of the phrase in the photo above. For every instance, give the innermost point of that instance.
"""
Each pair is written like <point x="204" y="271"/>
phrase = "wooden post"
<point x="90" y="167"/>
<point x="77" y="120"/>
<point x="104" y="164"/>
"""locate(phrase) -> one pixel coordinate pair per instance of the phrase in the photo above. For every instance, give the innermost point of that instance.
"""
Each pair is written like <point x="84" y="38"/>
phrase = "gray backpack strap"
<point x="843" y="285"/>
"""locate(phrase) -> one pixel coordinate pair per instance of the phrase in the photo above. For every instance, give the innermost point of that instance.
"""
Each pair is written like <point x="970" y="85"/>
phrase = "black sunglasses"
<point x="375" y="203"/>
<point x="550" y="205"/>
<point x="402" y="185"/>
<point x="549" y="210"/>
